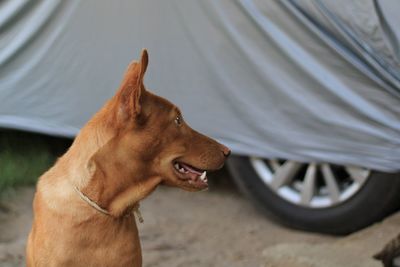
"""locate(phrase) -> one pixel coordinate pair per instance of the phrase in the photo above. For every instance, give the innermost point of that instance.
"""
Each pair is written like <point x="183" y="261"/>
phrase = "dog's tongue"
<point x="192" y="173"/>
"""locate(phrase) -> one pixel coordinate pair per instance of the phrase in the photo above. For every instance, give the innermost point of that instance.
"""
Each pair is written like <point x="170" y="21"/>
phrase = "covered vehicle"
<point x="305" y="93"/>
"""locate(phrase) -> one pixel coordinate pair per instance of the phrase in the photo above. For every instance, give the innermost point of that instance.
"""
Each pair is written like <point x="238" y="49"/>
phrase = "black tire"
<point x="379" y="196"/>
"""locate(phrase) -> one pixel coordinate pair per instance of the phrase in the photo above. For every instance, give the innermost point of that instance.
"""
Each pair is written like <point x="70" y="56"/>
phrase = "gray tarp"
<point x="303" y="80"/>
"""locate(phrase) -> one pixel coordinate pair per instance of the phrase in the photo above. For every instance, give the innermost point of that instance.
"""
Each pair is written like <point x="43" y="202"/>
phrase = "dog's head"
<point x="153" y="139"/>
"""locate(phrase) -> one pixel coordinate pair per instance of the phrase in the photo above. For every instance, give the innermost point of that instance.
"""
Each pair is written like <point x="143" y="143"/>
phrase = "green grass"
<point x="25" y="156"/>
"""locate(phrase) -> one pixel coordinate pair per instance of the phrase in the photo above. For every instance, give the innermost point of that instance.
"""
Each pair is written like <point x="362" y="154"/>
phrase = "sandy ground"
<point x="218" y="227"/>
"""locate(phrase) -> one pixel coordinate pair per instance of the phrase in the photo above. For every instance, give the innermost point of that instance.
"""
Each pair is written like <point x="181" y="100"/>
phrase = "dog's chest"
<point x="113" y="245"/>
<point x="98" y="243"/>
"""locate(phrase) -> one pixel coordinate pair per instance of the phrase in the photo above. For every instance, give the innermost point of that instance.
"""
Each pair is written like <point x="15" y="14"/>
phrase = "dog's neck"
<point x="94" y="205"/>
<point x="117" y="195"/>
<point x="90" y="139"/>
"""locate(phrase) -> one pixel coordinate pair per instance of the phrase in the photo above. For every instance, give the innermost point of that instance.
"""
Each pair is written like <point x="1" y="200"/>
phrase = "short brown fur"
<point x="119" y="157"/>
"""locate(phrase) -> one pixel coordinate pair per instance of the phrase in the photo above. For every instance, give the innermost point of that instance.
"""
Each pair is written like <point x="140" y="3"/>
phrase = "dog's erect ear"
<point x="144" y="61"/>
<point x="132" y="87"/>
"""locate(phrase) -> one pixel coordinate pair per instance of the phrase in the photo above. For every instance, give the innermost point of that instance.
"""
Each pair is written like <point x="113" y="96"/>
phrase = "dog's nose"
<point x="226" y="151"/>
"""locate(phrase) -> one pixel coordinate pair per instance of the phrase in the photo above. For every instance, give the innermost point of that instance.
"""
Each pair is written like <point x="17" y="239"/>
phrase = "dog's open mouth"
<point x="194" y="176"/>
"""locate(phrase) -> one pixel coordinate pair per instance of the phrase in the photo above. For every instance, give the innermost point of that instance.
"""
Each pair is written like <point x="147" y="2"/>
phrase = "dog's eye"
<point x="178" y="120"/>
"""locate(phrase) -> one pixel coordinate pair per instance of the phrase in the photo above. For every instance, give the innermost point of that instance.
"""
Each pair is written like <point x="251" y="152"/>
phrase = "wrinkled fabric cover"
<point x="268" y="78"/>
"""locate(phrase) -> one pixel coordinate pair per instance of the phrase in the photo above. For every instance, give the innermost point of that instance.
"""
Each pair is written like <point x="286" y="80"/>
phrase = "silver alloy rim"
<point x="311" y="185"/>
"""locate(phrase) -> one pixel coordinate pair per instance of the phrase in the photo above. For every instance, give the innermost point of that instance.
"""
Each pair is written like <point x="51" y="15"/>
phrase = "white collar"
<point x="105" y="212"/>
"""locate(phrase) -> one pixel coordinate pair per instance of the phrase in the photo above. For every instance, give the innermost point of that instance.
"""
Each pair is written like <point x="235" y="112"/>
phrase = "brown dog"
<point x="83" y="204"/>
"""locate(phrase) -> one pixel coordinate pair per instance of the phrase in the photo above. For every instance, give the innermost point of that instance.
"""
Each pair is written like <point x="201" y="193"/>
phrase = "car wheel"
<point x="318" y="197"/>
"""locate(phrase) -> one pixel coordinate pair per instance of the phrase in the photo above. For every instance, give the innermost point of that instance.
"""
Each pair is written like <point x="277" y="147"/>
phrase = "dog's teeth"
<point x="203" y="175"/>
<point x="182" y="170"/>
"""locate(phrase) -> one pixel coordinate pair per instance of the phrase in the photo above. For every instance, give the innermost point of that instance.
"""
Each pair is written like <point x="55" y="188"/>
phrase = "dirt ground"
<point x="218" y="227"/>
